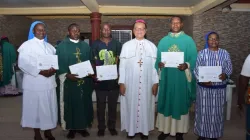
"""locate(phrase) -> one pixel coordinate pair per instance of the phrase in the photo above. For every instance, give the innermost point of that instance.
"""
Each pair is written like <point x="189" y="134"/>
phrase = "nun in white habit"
<point x="39" y="110"/>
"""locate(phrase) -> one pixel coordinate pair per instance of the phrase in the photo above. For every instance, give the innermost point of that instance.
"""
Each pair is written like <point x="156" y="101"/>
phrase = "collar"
<point x="176" y="34"/>
<point x="74" y="41"/>
<point x="39" y="40"/>
<point x="139" y="41"/>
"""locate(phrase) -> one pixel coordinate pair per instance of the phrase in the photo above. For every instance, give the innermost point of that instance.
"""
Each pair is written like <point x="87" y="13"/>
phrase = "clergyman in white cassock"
<point x="138" y="83"/>
<point x="39" y="110"/>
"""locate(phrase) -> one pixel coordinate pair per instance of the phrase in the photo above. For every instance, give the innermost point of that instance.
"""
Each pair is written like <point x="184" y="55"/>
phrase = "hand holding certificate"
<point x="82" y="69"/>
<point x="210" y="73"/>
<point x="45" y="62"/>
<point x="107" y="72"/>
<point x="172" y="59"/>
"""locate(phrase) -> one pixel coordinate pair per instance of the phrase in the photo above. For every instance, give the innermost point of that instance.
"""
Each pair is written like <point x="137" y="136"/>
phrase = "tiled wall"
<point x="57" y="28"/>
<point x="16" y="28"/>
<point x="157" y="28"/>
<point x="233" y="29"/>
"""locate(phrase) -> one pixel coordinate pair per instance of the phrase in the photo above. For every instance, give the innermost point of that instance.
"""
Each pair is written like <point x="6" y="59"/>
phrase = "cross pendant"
<point x="140" y="62"/>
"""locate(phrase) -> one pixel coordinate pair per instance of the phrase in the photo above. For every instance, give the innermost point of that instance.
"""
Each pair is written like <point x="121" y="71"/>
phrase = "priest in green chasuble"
<point x="177" y="85"/>
<point x="75" y="95"/>
<point x="7" y="72"/>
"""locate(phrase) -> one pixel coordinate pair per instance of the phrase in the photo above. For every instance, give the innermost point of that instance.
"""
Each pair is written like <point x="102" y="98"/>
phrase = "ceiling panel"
<point x="148" y="3"/>
<point x="39" y="3"/>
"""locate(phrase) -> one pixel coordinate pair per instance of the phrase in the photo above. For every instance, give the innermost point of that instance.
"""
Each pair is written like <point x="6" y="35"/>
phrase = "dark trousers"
<point x="248" y="122"/>
<point x="112" y="96"/>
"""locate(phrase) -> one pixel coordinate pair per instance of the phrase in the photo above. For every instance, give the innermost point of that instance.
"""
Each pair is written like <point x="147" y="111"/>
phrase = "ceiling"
<point x="66" y="3"/>
<point x="108" y="7"/>
<point x="154" y="3"/>
<point x="38" y="3"/>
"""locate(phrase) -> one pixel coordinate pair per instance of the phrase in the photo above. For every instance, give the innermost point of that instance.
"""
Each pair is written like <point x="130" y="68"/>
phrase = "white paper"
<point x="107" y="72"/>
<point x="172" y="59"/>
<point x="209" y="73"/>
<point x="45" y="62"/>
<point x="82" y="69"/>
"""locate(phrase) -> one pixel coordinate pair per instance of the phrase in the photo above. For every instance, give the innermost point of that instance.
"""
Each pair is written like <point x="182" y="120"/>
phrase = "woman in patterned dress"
<point x="211" y="96"/>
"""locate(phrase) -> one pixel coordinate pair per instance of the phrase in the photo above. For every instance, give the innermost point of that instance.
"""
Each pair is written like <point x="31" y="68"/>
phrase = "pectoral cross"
<point x="140" y="62"/>
<point x="78" y="55"/>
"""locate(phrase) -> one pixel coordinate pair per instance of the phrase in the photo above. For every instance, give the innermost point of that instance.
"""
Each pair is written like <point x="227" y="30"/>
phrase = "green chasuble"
<point x="74" y="98"/>
<point x="176" y="94"/>
<point x="7" y="59"/>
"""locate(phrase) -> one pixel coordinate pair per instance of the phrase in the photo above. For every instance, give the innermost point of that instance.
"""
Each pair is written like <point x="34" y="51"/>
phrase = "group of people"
<point x="57" y="96"/>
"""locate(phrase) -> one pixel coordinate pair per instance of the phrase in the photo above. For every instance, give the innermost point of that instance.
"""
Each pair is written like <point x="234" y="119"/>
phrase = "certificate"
<point x="209" y="73"/>
<point x="107" y="72"/>
<point x="172" y="59"/>
<point x="45" y="62"/>
<point x="82" y="69"/>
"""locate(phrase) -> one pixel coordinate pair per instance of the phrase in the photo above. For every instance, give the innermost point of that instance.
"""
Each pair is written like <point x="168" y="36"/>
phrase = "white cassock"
<point x="138" y="104"/>
<point x="39" y="93"/>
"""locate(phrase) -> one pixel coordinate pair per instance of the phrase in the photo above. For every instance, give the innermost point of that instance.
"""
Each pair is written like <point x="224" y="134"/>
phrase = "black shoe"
<point x="38" y="138"/>
<point x="71" y="134"/>
<point x="201" y="138"/>
<point x="179" y="136"/>
<point x="130" y="137"/>
<point x="113" y="132"/>
<point x="162" y="136"/>
<point x="49" y="136"/>
<point x="100" y="133"/>
<point x="214" y="139"/>
<point x="84" y="133"/>
<point x="143" y="137"/>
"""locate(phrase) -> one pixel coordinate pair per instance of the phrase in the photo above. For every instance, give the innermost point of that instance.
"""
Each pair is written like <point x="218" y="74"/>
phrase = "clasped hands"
<point x="73" y="77"/>
<point x="47" y="73"/>
<point x="181" y="67"/>
<point x="222" y="77"/>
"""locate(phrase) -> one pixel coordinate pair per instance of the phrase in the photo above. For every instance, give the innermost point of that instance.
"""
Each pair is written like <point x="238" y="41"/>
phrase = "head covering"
<point x="140" y="21"/>
<point x="31" y="34"/>
<point x="206" y="38"/>
<point x="4" y="38"/>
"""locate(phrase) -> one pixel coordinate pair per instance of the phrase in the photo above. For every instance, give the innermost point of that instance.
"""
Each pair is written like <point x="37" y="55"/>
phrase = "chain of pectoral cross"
<point x="78" y="53"/>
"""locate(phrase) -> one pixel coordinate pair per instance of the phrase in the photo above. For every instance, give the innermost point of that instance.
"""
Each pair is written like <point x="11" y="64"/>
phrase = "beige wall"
<point x="234" y="31"/>
<point x="16" y="28"/>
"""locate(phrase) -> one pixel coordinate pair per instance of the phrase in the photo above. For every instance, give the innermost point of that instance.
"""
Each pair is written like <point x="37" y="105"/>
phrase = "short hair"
<point x="73" y="25"/>
<point x="105" y="23"/>
<point x="181" y="19"/>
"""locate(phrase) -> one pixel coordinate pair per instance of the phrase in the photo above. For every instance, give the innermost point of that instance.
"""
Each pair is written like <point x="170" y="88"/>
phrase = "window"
<point x="122" y="35"/>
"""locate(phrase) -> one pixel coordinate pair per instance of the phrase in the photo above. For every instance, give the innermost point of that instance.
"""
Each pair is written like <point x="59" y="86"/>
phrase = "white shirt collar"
<point x="139" y="41"/>
<point x="75" y="41"/>
<point x="39" y="40"/>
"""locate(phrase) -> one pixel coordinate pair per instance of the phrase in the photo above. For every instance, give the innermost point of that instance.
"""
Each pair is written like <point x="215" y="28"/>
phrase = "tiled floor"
<point x="10" y="114"/>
